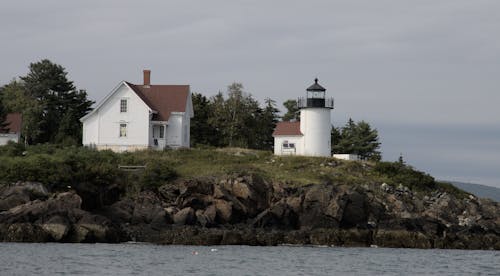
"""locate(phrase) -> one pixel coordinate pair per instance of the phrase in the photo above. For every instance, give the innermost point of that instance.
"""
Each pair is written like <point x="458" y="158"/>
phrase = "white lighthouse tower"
<point x="312" y="135"/>
<point x="315" y="121"/>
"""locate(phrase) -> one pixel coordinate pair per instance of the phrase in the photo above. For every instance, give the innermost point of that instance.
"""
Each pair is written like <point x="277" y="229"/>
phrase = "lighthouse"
<point x="311" y="136"/>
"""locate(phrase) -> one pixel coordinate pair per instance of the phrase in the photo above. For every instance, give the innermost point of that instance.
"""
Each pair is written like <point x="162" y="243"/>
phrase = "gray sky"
<point x="425" y="73"/>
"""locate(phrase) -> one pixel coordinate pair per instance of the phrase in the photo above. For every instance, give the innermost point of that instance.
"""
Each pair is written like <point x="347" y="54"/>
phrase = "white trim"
<point x="177" y="113"/>
<point x="160" y="122"/>
<point x="189" y="103"/>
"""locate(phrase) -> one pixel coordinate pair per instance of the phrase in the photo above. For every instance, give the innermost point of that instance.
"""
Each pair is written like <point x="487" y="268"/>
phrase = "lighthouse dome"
<point x="316" y="86"/>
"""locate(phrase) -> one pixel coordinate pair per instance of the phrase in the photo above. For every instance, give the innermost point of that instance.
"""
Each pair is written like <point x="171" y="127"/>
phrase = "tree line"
<point x="237" y="120"/>
<point x="50" y="104"/>
<point x="51" y="107"/>
<point x="233" y="119"/>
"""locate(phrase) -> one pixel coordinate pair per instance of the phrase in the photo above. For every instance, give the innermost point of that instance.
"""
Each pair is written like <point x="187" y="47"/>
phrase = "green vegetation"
<point x="51" y="107"/>
<point x="60" y="167"/>
<point x="292" y="111"/>
<point x="400" y="173"/>
<point x="234" y="120"/>
<point x="2" y="115"/>
<point x="357" y="138"/>
<point x="353" y="138"/>
<point x="50" y="103"/>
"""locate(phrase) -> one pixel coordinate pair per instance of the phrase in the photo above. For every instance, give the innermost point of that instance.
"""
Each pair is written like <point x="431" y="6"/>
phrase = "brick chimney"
<point x="147" y="77"/>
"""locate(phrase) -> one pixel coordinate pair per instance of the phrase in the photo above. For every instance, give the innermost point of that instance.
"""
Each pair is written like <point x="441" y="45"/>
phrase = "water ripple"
<point x="147" y="259"/>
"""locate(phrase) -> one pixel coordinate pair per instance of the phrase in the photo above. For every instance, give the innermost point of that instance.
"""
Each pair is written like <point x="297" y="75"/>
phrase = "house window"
<point x="287" y="145"/>
<point x="123" y="105"/>
<point x="123" y="130"/>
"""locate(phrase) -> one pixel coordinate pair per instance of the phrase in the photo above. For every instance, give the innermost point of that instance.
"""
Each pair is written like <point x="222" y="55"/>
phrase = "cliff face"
<point x="245" y="208"/>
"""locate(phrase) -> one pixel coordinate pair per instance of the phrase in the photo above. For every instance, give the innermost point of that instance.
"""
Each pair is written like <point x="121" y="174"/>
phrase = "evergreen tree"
<point x="217" y="119"/>
<point x="336" y="137"/>
<point x="356" y="138"/>
<point x="202" y="132"/>
<point x="59" y="105"/>
<point x="266" y="125"/>
<point x="292" y="113"/>
<point x="235" y="117"/>
<point x="236" y="120"/>
<point x="367" y="142"/>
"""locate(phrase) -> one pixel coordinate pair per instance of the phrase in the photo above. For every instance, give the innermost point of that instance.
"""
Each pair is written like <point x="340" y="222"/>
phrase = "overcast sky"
<point x="425" y="73"/>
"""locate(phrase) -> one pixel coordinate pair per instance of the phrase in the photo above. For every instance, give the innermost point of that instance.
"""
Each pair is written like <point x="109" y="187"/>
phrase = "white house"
<point x="139" y="116"/>
<point x="311" y="136"/>
<point x="12" y="129"/>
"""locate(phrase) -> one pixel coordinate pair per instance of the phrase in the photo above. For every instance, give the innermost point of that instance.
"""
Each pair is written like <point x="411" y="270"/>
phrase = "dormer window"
<point x="123" y="105"/>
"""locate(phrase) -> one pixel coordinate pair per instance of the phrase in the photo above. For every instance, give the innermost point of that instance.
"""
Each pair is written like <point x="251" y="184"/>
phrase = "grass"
<point x="62" y="166"/>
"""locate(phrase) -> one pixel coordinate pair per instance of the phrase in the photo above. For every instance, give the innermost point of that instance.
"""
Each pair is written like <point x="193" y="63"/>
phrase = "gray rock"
<point x="185" y="216"/>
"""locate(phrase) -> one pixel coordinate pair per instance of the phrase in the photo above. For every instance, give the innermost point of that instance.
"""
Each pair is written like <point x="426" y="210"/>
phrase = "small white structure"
<point x="311" y="136"/>
<point x="12" y="129"/>
<point x="346" y="156"/>
<point x="133" y="117"/>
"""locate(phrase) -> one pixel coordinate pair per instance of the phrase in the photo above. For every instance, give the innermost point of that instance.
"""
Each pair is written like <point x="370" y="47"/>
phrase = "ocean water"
<point x="148" y="259"/>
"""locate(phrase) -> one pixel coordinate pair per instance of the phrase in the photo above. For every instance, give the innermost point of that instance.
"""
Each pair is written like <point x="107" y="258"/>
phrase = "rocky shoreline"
<point x="248" y="210"/>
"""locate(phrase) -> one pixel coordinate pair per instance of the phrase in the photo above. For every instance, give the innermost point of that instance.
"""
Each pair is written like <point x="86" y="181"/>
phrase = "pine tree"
<point x="237" y="120"/>
<point x="57" y="98"/>
<point x="292" y="113"/>
<point x="356" y="138"/>
<point x="266" y="125"/>
<point x="202" y="132"/>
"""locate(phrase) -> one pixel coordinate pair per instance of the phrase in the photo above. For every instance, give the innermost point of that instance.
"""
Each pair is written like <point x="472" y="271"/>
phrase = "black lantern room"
<point x="315" y="97"/>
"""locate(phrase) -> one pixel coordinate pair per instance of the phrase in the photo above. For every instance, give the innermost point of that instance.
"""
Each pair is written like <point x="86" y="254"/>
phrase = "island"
<point x="224" y="196"/>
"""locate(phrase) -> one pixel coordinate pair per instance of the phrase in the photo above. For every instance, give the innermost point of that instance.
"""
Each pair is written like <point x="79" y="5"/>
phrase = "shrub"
<point x="58" y="168"/>
<point x="406" y="175"/>
<point x="157" y="173"/>
<point x="12" y="149"/>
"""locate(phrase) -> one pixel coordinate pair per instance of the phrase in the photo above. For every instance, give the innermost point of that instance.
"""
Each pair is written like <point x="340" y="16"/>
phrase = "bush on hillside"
<point x="156" y="174"/>
<point x="12" y="149"/>
<point x="81" y="168"/>
<point x="406" y="175"/>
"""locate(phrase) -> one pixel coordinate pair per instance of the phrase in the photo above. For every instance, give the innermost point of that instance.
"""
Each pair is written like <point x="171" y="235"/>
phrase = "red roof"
<point x="14" y="122"/>
<point x="287" y="129"/>
<point x="164" y="99"/>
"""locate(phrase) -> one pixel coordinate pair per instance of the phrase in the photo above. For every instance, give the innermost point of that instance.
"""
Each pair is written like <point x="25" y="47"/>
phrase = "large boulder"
<point x="64" y="204"/>
<point x="185" y="216"/>
<point x="57" y="227"/>
<point x="355" y="210"/>
<point x="20" y="193"/>
<point x="250" y="194"/>
<point x="94" y="228"/>
<point x="97" y="196"/>
<point x="322" y="207"/>
<point x="23" y="232"/>
<point x="279" y="216"/>
<point x="401" y="238"/>
<point x="224" y="211"/>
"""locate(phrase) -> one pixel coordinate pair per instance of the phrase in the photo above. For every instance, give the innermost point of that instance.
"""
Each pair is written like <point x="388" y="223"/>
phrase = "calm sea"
<point x="147" y="259"/>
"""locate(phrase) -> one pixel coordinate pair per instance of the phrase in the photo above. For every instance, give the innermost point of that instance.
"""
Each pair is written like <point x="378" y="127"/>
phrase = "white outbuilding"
<point x="311" y="136"/>
<point x="140" y="116"/>
<point x="11" y="131"/>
